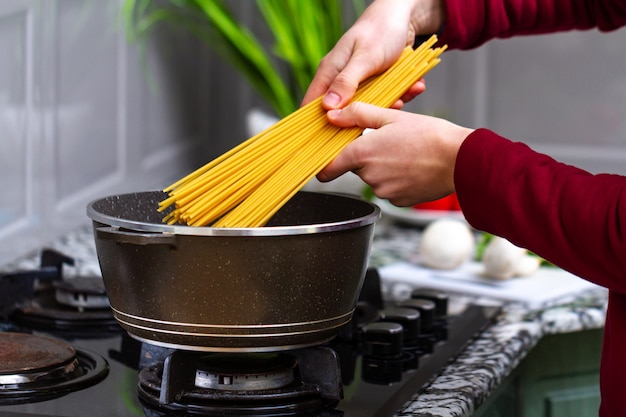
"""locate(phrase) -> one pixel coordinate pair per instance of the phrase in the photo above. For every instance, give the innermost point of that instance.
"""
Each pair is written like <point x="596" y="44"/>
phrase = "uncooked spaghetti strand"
<point x="217" y="172"/>
<point x="338" y="148"/>
<point x="276" y="126"/>
<point x="246" y="183"/>
<point x="309" y="108"/>
<point x="239" y="169"/>
<point x="278" y="186"/>
<point x="195" y="189"/>
<point x="297" y="148"/>
<point x="274" y="136"/>
<point x="406" y="68"/>
<point x="220" y="209"/>
<point x="266" y="191"/>
<point x="259" y="161"/>
<point x="331" y="150"/>
<point x="202" y="203"/>
<point x="272" y="191"/>
<point x="193" y="175"/>
<point x="395" y="83"/>
<point x="305" y="179"/>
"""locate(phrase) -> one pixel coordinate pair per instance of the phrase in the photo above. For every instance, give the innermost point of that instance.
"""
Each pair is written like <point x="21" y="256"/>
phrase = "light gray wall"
<point x="84" y="114"/>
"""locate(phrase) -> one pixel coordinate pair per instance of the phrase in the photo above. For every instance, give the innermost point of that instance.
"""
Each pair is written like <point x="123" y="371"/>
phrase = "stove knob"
<point x="426" y="309"/>
<point x="441" y="309"/>
<point x="384" y="361"/>
<point x="439" y="298"/>
<point x="427" y="338"/>
<point x="383" y="339"/>
<point x="382" y="371"/>
<point x="408" y="318"/>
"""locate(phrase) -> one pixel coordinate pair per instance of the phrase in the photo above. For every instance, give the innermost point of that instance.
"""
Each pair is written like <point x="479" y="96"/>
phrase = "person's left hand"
<point x="369" y="47"/>
<point x="408" y="159"/>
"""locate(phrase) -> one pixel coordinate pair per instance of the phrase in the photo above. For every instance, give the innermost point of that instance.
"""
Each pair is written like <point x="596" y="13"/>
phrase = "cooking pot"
<point x="290" y="284"/>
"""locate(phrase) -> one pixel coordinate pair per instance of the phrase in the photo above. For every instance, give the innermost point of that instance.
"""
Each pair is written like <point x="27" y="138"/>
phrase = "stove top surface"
<point x="117" y="394"/>
<point x="376" y="364"/>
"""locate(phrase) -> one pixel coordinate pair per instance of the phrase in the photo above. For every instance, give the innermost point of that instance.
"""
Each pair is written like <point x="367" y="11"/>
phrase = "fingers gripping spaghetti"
<point x="245" y="186"/>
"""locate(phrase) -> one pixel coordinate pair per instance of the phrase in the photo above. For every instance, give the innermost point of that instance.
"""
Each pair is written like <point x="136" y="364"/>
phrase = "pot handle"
<point x="134" y="238"/>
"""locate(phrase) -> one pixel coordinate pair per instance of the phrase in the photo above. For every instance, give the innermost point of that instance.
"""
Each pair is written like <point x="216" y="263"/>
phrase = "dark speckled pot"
<point x="290" y="284"/>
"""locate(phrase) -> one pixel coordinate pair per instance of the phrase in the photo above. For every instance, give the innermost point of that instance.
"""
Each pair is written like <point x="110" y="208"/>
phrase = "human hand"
<point x="372" y="45"/>
<point x="408" y="159"/>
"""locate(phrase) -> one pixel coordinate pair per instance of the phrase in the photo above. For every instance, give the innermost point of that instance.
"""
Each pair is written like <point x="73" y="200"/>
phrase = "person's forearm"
<point x="428" y="16"/>
<point x="560" y="212"/>
<point x="470" y="23"/>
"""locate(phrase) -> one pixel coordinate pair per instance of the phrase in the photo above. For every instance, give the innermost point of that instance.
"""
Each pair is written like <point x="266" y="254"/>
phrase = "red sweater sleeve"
<point x="470" y="23"/>
<point x="566" y="215"/>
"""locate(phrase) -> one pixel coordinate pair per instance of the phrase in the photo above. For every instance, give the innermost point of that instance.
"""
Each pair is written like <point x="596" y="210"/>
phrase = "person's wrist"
<point x="453" y="139"/>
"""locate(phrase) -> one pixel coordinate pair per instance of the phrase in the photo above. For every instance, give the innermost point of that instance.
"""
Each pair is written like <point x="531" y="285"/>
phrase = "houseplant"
<point x="302" y="32"/>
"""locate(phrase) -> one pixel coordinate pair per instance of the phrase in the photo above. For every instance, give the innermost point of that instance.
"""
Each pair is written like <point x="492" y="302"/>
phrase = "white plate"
<point x="415" y="216"/>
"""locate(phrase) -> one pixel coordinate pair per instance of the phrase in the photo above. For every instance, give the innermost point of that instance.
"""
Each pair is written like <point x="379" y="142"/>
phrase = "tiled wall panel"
<point x="86" y="87"/>
<point x="16" y="114"/>
<point x="84" y="114"/>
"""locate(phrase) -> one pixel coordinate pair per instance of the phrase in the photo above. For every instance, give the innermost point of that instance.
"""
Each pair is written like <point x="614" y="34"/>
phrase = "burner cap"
<point x="37" y="368"/>
<point x="21" y="354"/>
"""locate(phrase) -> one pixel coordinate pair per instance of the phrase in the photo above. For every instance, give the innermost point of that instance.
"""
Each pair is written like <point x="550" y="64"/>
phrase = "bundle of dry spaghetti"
<point x="247" y="185"/>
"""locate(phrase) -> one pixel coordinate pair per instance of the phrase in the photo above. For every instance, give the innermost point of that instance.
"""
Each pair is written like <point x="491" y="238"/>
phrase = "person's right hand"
<point x="407" y="159"/>
<point x="370" y="46"/>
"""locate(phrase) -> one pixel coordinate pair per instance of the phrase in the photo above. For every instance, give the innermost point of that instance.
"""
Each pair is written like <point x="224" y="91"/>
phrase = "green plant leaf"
<point x="303" y="30"/>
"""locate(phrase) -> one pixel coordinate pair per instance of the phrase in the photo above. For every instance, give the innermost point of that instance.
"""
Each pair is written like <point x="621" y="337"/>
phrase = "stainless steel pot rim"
<point x="123" y="318"/>
<point x="140" y="226"/>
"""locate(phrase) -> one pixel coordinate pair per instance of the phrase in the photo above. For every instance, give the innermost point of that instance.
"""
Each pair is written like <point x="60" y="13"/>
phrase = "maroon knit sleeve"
<point x="470" y="23"/>
<point x="570" y="217"/>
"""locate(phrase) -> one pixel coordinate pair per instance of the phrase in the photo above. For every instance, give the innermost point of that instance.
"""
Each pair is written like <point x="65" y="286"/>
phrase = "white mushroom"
<point x="446" y="244"/>
<point x="527" y="265"/>
<point x="504" y="260"/>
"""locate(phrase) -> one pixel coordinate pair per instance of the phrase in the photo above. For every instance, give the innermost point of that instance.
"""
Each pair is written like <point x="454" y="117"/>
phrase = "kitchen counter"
<point x="466" y="382"/>
<point x="485" y="363"/>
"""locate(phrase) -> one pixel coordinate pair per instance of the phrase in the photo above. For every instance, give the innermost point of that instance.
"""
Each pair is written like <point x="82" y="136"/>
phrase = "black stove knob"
<point x="408" y="318"/>
<point x="439" y="298"/>
<point x="426" y="309"/>
<point x="441" y="309"/>
<point x="383" y="371"/>
<point x="383" y="338"/>
<point x="427" y="338"/>
<point x="384" y="360"/>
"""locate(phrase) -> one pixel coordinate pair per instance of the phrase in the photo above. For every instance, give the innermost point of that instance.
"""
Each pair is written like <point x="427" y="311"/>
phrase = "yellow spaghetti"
<point x="245" y="186"/>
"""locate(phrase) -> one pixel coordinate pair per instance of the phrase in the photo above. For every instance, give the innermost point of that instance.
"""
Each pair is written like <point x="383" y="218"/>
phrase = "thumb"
<point x="356" y="114"/>
<point x="345" y="84"/>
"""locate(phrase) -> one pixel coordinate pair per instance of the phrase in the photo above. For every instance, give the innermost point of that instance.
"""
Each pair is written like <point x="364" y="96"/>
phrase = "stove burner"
<point x="36" y="368"/>
<point x="83" y="293"/>
<point x="251" y="384"/>
<point x="245" y="372"/>
<point x="21" y="361"/>
<point x="45" y="299"/>
<point x="44" y="313"/>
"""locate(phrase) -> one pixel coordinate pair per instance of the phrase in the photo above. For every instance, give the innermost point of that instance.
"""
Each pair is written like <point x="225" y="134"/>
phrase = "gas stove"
<point x="63" y="354"/>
